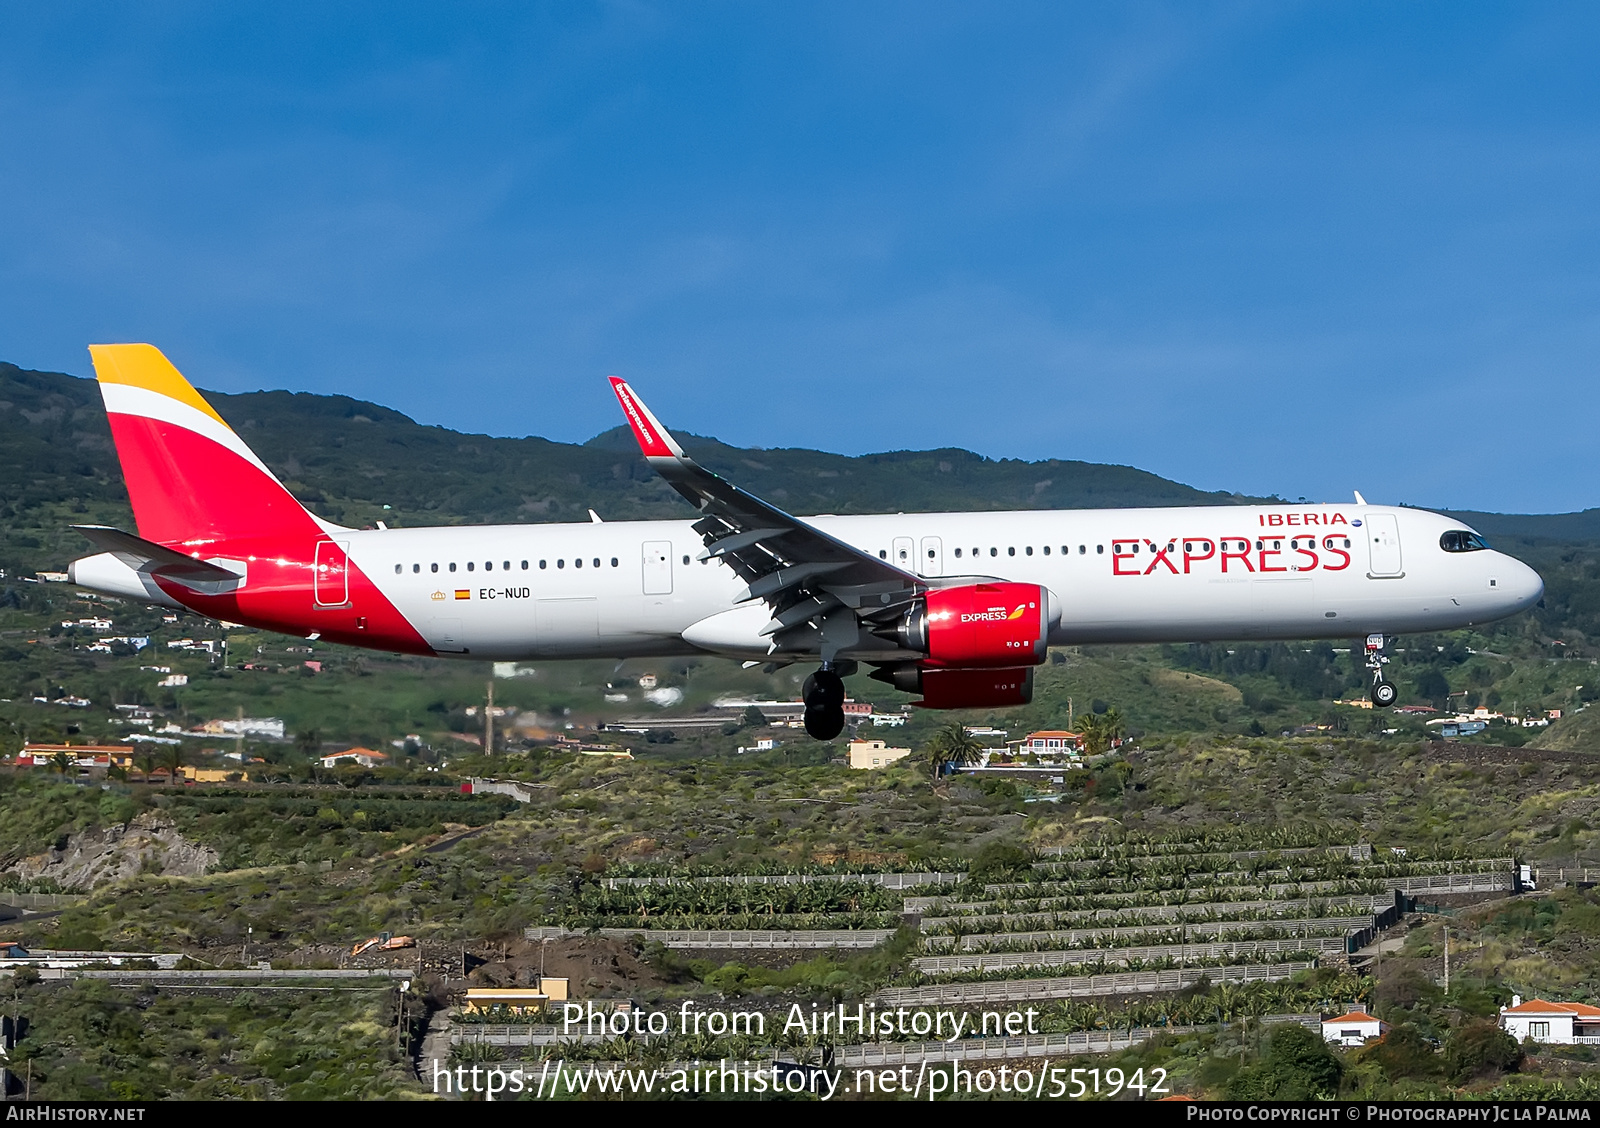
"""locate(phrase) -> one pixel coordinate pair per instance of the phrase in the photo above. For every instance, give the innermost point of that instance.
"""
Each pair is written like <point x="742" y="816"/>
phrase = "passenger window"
<point x="1047" y="550"/>
<point x="994" y="552"/>
<point x="577" y="562"/>
<point x="541" y="565"/>
<point x="614" y="562"/>
<point x="1081" y="549"/>
<point x="1100" y="549"/>
<point x="397" y="569"/>
<point x="488" y="565"/>
<point x="1028" y="551"/>
<point x="416" y="567"/>
<point x="686" y="559"/>
<point x="433" y="567"/>
<point x="452" y="565"/>
<point x="561" y="563"/>
<point x="524" y="565"/>
<point x="469" y="565"/>
<point x="1011" y="551"/>
<point x="882" y="555"/>
<point x="505" y="566"/>
<point x="958" y="554"/>
<point x="597" y="562"/>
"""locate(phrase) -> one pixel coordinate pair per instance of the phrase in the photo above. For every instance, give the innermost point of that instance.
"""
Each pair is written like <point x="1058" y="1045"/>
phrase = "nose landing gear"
<point x="823" y="694"/>
<point x="1383" y="693"/>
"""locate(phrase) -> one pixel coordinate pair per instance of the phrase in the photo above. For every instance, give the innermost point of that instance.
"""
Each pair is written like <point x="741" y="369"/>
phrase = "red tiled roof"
<point x="1353" y="1016"/>
<point x="1542" y="1006"/>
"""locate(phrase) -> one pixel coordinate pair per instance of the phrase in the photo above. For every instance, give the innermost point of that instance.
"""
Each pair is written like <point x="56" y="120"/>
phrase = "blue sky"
<point x="1276" y="247"/>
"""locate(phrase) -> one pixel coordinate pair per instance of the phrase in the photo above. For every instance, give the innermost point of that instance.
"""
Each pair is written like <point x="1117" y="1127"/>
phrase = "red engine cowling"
<point x="975" y="689"/>
<point x="980" y="626"/>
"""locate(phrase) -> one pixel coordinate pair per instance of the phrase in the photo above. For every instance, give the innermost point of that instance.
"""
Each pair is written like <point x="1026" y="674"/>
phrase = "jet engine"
<point x="975" y="689"/>
<point x="980" y="626"/>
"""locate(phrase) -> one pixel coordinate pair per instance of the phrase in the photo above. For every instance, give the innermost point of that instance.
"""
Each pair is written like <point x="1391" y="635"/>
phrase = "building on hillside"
<point x="366" y="757"/>
<point x="1556" y="1024"/>
<point x="1050" y="743"/>
<point x="517" y="1000"/>
<point x="269" y="727"/>
<point x="79" y="756"/>
<point x="875" y="754"/>
<point x="1352" y="1029"/>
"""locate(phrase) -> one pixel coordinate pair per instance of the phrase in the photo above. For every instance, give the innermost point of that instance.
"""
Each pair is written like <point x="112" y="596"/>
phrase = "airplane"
<point x="956" y="607"/>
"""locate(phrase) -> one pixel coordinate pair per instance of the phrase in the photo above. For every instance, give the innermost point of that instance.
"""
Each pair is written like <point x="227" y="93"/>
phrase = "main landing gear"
<point x="823" y="694"/>
<point x="1384" y="693"/>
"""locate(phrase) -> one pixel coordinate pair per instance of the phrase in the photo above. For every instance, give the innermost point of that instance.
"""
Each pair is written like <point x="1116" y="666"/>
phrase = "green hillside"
<point x="356" y="462"/>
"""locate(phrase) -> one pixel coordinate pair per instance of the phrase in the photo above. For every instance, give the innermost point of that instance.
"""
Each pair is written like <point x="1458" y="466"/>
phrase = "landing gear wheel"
<point x="823" y="690"/>
<point x="1384" y="694"/>
<point x="825" y="723"/>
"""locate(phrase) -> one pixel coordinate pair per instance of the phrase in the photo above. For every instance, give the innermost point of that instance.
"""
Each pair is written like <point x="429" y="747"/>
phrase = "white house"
<point x="1352" y="1029"/>
<point x="1558" y="1024"/>
<point x="366" y="757"/>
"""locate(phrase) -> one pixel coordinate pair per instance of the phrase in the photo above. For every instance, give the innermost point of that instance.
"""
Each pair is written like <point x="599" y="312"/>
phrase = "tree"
<point x="1100" y="730"/>
<point x="1403" y="1052"/>
<point x="954" y="745"/>
<point x="1479" y="1047"/>
<point x="1298" y="1066"/>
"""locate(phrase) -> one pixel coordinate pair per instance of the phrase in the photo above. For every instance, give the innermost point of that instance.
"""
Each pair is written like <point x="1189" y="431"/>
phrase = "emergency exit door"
<point x="1383" y="541"/>
<point x="330" y="578"/>
<point x="658" y="567"/>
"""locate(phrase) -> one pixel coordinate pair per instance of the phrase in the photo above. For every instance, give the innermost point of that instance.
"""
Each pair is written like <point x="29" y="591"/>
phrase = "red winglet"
<point x="653" y="438"/>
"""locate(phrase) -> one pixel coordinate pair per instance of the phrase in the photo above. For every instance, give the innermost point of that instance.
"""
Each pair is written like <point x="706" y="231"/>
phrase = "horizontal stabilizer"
<point x="154" y="559"/>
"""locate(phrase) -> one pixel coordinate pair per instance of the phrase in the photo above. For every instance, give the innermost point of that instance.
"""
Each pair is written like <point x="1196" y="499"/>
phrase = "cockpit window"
<point x="1459" y="540"/>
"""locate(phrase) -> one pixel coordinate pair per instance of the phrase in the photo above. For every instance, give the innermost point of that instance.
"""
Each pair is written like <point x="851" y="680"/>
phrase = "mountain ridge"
<point x="356" y="462"/>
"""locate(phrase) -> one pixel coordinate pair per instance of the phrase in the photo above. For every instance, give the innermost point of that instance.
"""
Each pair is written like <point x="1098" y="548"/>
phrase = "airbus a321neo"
<point x="956" y="607"/>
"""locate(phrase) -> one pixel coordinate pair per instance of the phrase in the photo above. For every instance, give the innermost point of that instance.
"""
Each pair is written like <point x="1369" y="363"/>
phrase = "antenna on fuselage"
<point x="1359" y="499"/>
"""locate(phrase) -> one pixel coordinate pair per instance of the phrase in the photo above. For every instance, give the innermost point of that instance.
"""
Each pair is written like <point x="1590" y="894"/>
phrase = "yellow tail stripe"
<point x="143" y="366"/>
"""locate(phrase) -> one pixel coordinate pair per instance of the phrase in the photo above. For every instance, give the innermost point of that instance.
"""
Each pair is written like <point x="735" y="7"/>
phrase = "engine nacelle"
<point x="975" y="689"/>
<point x="979" y="626"/>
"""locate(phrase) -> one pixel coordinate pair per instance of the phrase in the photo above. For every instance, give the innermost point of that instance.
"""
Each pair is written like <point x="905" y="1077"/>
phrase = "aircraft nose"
<point x="1524" y="587"/>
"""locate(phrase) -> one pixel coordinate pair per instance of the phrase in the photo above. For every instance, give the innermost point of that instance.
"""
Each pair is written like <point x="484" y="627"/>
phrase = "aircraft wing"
<point x="822" y="591"/>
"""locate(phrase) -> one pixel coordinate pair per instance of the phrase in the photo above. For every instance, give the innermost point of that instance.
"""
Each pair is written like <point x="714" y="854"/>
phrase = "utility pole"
<point x="488" y="722"/>
<point x="238" y="744"/>
<point x="1447" y="960"/>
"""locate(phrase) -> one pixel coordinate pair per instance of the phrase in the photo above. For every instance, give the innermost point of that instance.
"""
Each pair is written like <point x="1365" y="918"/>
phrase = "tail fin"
<point x="190" y="478"/>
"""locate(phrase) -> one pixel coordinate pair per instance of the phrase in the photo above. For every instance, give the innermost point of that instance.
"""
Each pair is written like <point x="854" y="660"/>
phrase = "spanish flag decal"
<point x="463" y="593"/>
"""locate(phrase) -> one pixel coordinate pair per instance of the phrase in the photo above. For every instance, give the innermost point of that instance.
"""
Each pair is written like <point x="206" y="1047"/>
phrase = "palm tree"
<point x="1100" y="730"/>
<point x="953" y="745"/>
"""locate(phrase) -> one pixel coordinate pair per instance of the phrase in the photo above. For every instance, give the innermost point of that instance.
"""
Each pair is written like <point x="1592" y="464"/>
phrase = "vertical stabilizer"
<point x="191" y="480"/>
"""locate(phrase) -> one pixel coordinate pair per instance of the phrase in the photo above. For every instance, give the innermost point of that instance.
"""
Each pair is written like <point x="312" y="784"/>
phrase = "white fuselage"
<point x="619" y="589"/>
